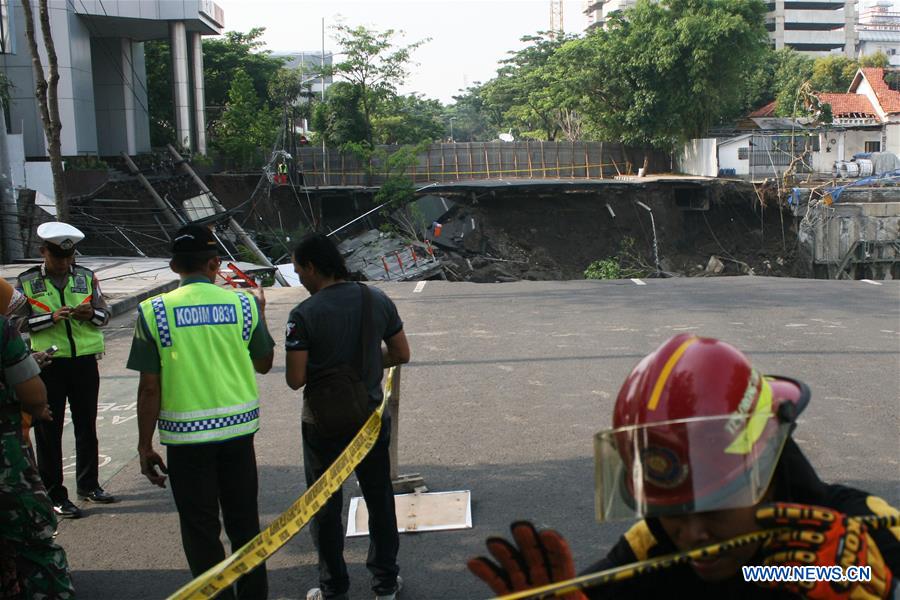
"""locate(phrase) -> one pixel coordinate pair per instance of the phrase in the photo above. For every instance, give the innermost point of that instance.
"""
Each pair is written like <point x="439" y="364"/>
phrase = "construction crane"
<point x="556" y="18"/>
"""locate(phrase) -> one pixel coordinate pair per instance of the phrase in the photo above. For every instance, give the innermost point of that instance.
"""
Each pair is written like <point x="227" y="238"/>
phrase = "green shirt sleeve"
<point x="144" y="355"/>
<point x="17" y="363"/>
<point x="261" y="342"/>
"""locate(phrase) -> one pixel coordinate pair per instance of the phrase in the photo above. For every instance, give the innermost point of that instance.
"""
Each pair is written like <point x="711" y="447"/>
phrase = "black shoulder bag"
<point x="338" y="398"/>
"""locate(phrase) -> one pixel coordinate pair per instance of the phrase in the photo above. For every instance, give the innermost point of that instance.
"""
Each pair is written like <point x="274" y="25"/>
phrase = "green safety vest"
<point x="71" y="336"/>
<point x="209" y="392"/>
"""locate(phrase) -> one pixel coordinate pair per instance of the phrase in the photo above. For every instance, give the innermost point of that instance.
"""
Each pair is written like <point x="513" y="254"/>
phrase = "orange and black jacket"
<point x="795" y="481"/>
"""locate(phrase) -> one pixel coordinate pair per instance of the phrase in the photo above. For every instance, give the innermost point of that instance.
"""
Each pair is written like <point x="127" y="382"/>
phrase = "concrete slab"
<point x="507" y="385"/>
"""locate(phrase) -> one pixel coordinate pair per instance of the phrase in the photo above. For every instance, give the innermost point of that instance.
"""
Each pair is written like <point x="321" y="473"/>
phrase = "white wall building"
<point x="878" y="30"/>
<point x="102" y="87"/>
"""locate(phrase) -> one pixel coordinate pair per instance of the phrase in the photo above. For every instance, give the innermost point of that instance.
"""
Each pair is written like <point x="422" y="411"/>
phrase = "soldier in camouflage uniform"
<point x="32" y="565"/>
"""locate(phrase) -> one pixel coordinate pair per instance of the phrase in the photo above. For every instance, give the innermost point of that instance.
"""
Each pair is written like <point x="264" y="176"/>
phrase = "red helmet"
<point x="695" y="428"/>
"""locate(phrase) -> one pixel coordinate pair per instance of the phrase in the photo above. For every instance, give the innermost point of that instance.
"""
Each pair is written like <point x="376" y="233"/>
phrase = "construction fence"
<point x="482" y="160"/>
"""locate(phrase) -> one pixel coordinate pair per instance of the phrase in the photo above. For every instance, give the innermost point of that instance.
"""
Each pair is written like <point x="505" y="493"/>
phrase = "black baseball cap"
<point x="192" y="239"/>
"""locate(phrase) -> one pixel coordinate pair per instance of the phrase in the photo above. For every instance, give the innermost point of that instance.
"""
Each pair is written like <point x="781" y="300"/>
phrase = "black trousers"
<point x="204" y="477"/>
<point x="374" y="475"/>
<point x="78" y="380"/>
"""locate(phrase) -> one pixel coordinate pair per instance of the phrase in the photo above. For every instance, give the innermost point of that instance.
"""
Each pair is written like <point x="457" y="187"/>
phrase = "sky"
<point x="468" y="37"/>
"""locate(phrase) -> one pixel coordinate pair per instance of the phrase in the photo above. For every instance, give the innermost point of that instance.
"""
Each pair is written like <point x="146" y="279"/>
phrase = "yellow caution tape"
<point x="290" y="522"/>
<point x="560" y="589"/>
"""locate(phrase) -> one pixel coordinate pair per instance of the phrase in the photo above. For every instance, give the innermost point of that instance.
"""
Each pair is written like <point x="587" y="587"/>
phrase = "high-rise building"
<point x="598" y="11"/>
<point x="815" y="27"/>
<point x="878" y="30"/>
<point x="810" y="26"/>
<point x="102" y="87"/>
<point x="311" y="64"/>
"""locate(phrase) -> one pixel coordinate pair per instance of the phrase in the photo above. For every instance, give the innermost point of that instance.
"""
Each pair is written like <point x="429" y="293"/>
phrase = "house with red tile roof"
<point x="882" y="88"/>
<point x="864" y="119"/>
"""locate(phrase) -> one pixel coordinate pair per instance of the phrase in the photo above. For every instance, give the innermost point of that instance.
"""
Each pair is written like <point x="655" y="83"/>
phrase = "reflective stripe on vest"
<point x="71" y="336"/>
<point x="247" y="313"/>
<point x="209" y="391"/>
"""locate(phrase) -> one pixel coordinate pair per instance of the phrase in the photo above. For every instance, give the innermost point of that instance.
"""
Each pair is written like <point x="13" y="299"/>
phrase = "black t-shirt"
<point x="327" y="326"/>
<point x="795" y="481"/>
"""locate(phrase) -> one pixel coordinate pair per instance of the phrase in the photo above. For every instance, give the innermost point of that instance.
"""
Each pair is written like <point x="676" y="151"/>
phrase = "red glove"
<point x="823" y="537"/>
<point x="540" y="559"/>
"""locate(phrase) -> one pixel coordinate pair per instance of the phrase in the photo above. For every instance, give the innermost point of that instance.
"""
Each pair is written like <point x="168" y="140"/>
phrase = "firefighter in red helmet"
<point x="700" y="451"/>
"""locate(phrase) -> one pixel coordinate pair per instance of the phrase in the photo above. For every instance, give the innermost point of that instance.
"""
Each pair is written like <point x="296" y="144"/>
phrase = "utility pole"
<point x="9" y="211"/>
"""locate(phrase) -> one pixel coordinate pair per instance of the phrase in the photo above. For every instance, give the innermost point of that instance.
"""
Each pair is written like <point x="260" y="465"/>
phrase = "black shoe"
<point x="67" y="510"/>
<point x="98" y="495"/>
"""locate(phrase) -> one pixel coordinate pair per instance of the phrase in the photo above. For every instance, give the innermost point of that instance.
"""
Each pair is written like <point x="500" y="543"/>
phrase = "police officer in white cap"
<point x="65" y="309"/>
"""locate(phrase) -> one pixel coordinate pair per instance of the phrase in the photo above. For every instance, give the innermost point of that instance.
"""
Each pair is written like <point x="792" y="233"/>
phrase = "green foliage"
<point x="792" y="70"/>
<point x="279" y="242"/>
<point x="286" y="87"/>
<point x="374" y="65"/>
<point x="85" y="162"/>
<point x="529" y="91"/>
<point x="340" y="119"/>
<point x="201" y="160"/>
<point x="222" y="57"/>
<point x="664" y="72"/>
<point x="397" y="191"/>
<point x="408" y="120"/>
<point x="6" y="87"/>
<point x="159" y="92"/>
<point x="833" y="73"/>
<point x="608" y="268"/>
<point x="877" y="60"/>
<point x="246" y="131"/>
<point x="796" y="76"/>
<point x="626" y="264"/>
<point x="473" y="118"/>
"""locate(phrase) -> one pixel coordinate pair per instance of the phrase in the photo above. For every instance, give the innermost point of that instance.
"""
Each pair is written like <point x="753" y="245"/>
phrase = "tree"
<point x="374" y="65"/>
<point x="235" y="50"/>
<point x="472" y="119"/>
<point x="48" y="102"/>
<point x="530" y="91"/>
<point x="792" y="71"/>
<point x="876" y="60"/>
<point x="664" y="72"/>
<point x="833" y="73"/>
<point x="159" y="92"/>
<point x="340" y="119"/>
<point x="221" y="58"/>
<point x="246" y="129"/>
<point x="409" y="120"/>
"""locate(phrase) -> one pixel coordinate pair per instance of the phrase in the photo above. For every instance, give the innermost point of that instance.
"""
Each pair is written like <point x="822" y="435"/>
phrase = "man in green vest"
<point x="66" y="309"/>
<point x="198" y="349"/>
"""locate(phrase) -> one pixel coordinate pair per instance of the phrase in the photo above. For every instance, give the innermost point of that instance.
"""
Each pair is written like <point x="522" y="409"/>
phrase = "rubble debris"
<point x="379" y="256"/>
<point x="715" y="265"/>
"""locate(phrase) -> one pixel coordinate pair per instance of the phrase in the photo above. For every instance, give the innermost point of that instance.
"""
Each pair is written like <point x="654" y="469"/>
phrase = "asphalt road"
<point x="507" y="384"/>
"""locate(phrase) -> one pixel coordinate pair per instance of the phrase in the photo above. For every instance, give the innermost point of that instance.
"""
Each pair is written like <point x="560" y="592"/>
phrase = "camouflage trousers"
<point x="32" y="565"/>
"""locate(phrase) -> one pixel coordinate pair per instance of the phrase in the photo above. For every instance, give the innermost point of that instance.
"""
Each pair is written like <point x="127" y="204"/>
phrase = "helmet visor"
<point x="687" y="465"/>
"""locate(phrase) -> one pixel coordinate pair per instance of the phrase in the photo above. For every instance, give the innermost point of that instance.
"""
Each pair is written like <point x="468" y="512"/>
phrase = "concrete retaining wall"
<point x="830" y="232"/>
